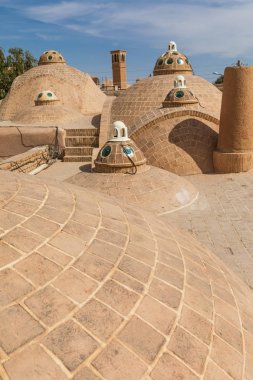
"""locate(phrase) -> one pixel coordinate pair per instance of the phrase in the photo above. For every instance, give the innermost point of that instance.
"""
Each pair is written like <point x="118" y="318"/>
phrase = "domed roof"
<point x="120" y="154"/>
<point x="75" y="90"/>
<point x="93" y="289"/>
<point x="51" y="56"/>
<point x="46" y="113"/>
<point x="46" y="97"/>
<point x="172" y="62"/>
<point x="180" y="94"/>
<point x="154" y="189"/>
<point x="142" y="98"/>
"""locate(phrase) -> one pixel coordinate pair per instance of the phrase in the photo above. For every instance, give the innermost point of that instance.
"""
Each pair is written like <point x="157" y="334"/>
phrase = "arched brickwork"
<point x="181" y="142"/>
<point x="148" y="94"/>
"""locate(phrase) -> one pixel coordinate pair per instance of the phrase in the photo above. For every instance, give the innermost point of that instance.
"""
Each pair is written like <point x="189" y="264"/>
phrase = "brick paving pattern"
<point x="94" y="290"/>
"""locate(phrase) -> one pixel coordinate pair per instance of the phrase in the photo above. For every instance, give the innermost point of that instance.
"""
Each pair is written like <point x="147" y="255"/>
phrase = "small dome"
<point x="51" y="56"/>
<point x="120" y="154"/>
<point x="172" y="62"/>
<point x="46" y="97"/>
<point x="180" y="94"/>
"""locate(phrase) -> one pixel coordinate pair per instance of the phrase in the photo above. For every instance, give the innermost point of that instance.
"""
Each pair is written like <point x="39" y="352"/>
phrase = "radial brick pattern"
<point x="93" y="290"/>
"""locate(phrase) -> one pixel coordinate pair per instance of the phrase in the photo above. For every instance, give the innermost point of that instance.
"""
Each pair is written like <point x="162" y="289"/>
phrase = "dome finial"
<point x="180" y="82"/>
<point x="119" y="132"/>
<point x="172" y="46"/>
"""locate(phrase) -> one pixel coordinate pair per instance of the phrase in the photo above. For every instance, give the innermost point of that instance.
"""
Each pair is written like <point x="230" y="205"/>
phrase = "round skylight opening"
<point x="169" y="61"/>
<point x="128" y="151"/>
<point x="106" y="151"/>
<point x="179" y="94"/>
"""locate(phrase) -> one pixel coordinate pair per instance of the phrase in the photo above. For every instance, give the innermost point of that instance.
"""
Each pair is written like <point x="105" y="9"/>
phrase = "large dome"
<point x="148" y="94"/>
<point x="172" y="62"/>
<point x="180" y="139"/>
<point x="75" y="90"/>
<point x="91" y="289"/>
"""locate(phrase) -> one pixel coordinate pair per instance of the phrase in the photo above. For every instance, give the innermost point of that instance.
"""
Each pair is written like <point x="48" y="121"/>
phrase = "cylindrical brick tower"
<point x="235" y="142"/>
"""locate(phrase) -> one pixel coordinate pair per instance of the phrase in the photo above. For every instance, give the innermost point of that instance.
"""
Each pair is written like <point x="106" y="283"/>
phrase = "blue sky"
<point x="212" y="33"/>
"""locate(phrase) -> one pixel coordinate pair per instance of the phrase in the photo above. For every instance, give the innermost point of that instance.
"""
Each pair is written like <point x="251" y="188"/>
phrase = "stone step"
<point x="82" y="132"/>
<point x="77" y="158"/>
<point x="80" y="141"/>
<point x="78" y="151"/>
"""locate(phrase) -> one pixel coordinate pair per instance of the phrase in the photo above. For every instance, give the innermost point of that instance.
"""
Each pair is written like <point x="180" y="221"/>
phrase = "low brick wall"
<point x="28" y="161"/>
<point x="19" y="139"/>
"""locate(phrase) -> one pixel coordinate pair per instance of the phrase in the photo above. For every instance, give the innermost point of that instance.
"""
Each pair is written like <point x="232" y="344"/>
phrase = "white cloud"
<point x="199" y="26"/>
<point x="48" y="37"/>
<point x="62" y="11"/>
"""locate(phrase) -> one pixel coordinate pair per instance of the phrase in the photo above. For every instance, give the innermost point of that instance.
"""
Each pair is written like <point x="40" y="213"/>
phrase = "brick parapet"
<point x="27" y="161"/>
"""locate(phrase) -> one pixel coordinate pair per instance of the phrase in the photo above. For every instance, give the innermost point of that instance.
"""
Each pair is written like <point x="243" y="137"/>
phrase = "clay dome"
<point x="154" y="189"/>
<point x="148" y="95"/>
<point x="75" y="90"/>
<point x="172" y="62"/>
<point x="179" y="138"/>
<point x="93" y="289"/>
<point x="120" y="154"/>
<point x="180" y="94"/>
<point x="50" y="56"/>
<point x="48" y="113"/>
<point x="46" y="97"/>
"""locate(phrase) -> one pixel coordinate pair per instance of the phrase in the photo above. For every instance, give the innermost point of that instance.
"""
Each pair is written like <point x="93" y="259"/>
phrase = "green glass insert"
<point x="50" y="57"/>
<point x="160" y="62"/>
<point x="40" y="95"/>
<point x="49" y="94"/>
<point x="180" y="61"/>
<point x="106" y="151"/>
<point x="179" y="94"/>
<point x="128" y="150"/>
<point x="169" y="61"/>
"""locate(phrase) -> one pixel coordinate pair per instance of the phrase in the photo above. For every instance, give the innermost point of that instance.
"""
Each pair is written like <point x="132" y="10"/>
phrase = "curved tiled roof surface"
<point x="95" y="290"/>
<point x="155" y="189"/>
<point x="148" y="94"/>
<point x="75" y="90"/>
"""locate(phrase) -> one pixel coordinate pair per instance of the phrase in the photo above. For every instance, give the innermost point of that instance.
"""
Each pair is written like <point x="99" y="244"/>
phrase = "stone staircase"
<point x="80" y="144"/>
